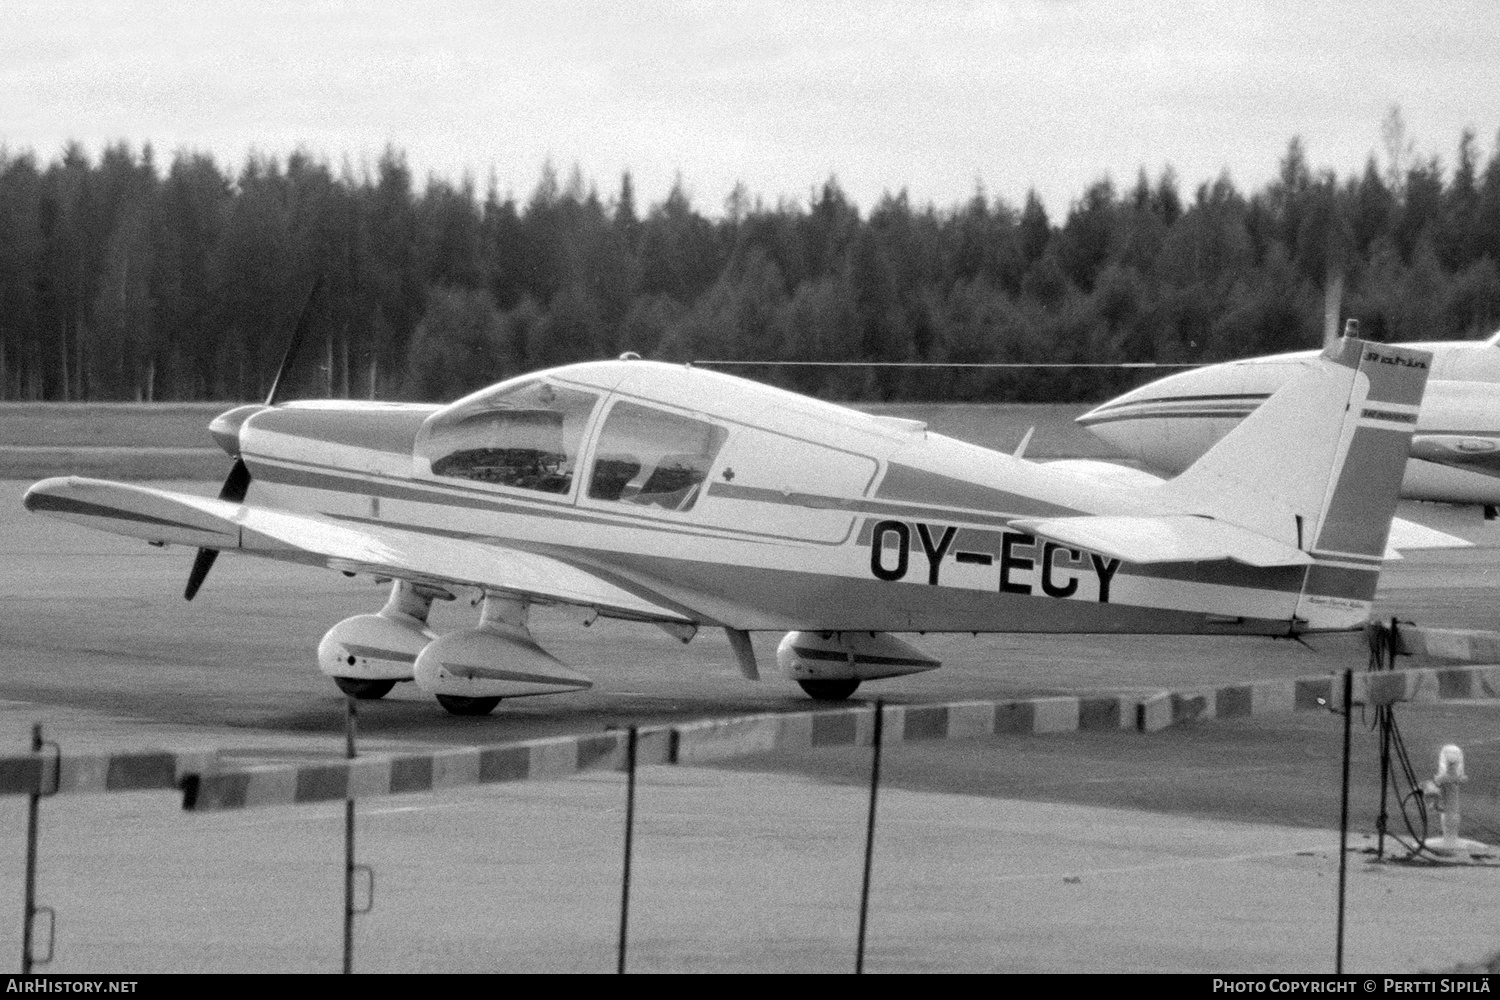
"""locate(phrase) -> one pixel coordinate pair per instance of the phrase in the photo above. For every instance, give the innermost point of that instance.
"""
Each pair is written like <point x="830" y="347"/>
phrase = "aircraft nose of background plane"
<point x="225" y="428"/>
<point x="1168" y="392"/>
<point x="1086" y="420"/>
<point x="1115" y="409"/>
<point x="1131" y="421"/>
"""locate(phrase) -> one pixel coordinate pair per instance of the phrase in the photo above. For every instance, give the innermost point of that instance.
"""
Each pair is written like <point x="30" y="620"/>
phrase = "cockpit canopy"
<point x="530" y="435"/>
<point x="652" y="457"/>
<point x="525" y="435"/>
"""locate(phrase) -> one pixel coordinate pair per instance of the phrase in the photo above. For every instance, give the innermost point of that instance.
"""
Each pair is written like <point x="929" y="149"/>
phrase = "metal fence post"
<point x="864" y="892"/>
<point x="1384" y="658"/>
<point x="1348" y="700"/>
<point x="630" y="740"/>
<point x="350" y="868"/>
<point x="31" y="911"/>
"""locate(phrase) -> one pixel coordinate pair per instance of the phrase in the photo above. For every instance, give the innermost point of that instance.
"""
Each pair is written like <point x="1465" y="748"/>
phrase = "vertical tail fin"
<point x="1319" y="466"/>
<point x="1355" y="521"/>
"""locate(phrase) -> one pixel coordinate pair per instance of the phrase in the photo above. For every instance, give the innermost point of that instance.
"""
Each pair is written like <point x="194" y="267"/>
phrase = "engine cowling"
<point x="864" y="656"/>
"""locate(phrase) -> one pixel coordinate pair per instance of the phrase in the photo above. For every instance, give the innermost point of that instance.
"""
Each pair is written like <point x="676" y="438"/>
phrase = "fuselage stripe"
<point x="1164" y="415"/>
<point x="313" y="475"/>
<point x="1224" y="397"/>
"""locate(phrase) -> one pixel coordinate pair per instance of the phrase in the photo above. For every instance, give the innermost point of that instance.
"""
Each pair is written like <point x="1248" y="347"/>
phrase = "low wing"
<point x="1163" y="539"/>
<point x="163" y="516"/>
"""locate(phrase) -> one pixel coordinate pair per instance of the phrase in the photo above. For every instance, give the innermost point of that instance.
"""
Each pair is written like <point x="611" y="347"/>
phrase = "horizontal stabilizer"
<point x="1165" y="539"/>
<point x="1409" y="536"/>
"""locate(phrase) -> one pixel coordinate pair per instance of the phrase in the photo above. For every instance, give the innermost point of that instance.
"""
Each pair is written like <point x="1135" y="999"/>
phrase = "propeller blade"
<point x="201" y="565"/>
<point x="298" y="335"/>
<point x="237" y="484"/>
<point x="234" y="490"/>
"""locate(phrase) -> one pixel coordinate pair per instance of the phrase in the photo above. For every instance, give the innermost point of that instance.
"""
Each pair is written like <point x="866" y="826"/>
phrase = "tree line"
<point x="120" y="280"/>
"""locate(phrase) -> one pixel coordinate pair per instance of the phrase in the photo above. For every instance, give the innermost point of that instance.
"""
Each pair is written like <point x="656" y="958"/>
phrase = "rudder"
<point x="1355" y="521"/>
<point x="1319" y="466"/>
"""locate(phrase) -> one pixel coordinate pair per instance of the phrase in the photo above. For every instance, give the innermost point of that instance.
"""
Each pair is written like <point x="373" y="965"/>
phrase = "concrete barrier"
<point x="1381" y="687"/>
<point x="1451" y="644"/>
<point x="718" y="739"/>
<point x="693" y="742"/>
<point x="51" y="773"/>
<point x="398" y="774"/>
<point x="209" y="785"/>
<point x="711" y="740"/>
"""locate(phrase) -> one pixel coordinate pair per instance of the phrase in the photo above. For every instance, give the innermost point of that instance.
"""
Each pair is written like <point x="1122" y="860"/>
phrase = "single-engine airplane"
<point x="1455" y="450"/>
<point x="689" y="498"/>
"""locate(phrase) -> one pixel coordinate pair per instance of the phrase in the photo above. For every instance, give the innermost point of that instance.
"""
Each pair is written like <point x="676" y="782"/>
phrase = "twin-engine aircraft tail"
<point x="1319" y="466"/>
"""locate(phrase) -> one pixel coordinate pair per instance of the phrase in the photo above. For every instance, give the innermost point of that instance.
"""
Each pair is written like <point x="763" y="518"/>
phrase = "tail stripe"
<point x="1353" y="558"/>
<point x="1386" y="416"/>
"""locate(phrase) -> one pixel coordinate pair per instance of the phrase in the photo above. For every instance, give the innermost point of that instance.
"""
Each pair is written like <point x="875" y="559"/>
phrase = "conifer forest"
<point x="125" y="279"/>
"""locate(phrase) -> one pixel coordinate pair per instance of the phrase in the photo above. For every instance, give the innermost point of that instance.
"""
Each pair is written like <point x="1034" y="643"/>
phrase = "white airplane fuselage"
<point x="810" y="516"/>
<point x="689" y="498"/>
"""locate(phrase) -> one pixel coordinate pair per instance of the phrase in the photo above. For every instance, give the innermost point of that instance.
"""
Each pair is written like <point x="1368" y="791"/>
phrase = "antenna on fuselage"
<point x="1333" y="301"/>
<point x="1020" y="451"/>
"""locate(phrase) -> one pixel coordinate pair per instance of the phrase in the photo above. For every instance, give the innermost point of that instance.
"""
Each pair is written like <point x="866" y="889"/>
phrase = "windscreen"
<point x="525" y="436"/>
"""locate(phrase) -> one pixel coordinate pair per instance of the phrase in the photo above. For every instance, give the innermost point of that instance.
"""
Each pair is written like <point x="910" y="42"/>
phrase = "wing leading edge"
<point x="162" y="516"/>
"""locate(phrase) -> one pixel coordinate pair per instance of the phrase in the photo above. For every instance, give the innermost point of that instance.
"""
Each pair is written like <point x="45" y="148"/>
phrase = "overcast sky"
<point x="926" y="96"/>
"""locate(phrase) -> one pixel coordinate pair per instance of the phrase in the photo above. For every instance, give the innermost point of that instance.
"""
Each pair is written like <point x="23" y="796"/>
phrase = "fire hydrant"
<point x="1441" y="793"/>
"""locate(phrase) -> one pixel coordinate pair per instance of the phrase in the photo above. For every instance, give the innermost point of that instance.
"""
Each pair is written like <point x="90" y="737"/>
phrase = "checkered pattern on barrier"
<point x="50" y="773"/>
<point x="1424" y="684"/>
<point x="719" y="739"/>
<point x="694" y="742"/>
<point x="208" y="784"/>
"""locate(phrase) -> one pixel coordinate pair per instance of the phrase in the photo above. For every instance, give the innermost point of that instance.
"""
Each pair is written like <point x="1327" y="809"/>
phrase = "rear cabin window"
<point x="526" y="437"/>
<point x="652" y="458"/>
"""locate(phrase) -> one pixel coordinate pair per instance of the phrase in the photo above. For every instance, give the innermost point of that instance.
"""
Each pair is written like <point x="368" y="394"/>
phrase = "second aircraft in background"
<point x="1455" y="450"/>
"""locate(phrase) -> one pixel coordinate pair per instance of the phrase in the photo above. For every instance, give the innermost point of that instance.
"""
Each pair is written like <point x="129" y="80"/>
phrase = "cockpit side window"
<point x="653" y="458"/>
<point x="526" y="436"/>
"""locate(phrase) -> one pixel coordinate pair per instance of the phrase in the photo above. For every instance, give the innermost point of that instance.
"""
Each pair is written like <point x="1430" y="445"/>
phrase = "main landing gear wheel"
<point x="830" y="690"/>
<point x="458" y="704"/>
<point x="364" y="690"/>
